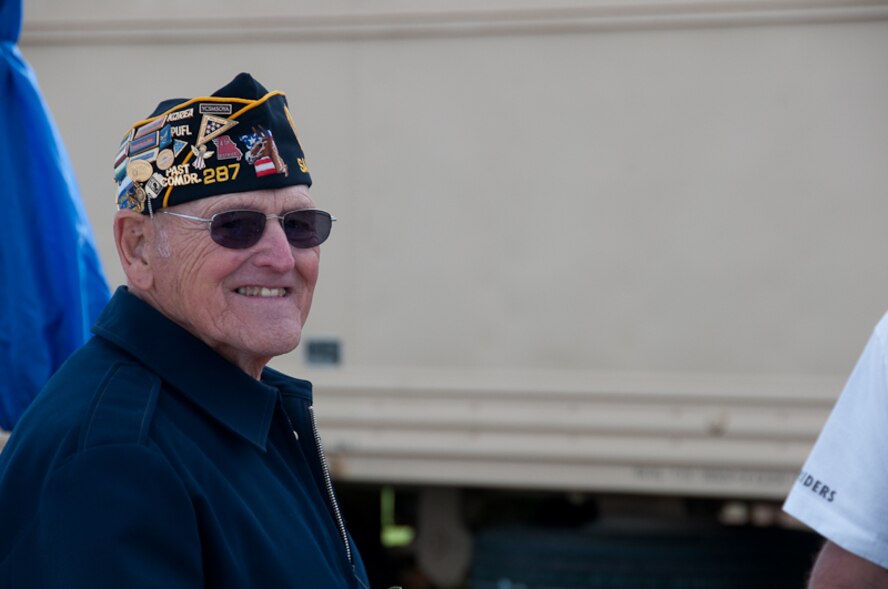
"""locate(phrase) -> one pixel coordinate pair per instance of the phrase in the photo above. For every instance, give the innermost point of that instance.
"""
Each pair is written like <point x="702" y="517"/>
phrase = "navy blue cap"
<point x="240" y="138"/>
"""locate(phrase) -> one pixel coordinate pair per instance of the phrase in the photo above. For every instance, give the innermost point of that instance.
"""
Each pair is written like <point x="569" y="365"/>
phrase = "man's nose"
<point x="274" y="250"/>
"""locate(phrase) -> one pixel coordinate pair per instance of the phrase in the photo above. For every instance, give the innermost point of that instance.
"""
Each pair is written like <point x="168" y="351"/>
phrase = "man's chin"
<point x="278" y="346"/>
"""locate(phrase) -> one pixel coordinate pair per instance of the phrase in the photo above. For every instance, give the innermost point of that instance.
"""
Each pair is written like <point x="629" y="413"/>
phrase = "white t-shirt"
<point x="842" y="491"/>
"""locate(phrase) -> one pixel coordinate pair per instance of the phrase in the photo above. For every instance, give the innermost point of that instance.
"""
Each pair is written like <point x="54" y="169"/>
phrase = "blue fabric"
<point x="52" y="286"/>
<point x="150" y="461"/>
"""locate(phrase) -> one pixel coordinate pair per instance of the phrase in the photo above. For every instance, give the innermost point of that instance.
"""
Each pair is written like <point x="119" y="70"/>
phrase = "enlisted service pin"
<point x="139" y="170"/>
<point x="137" y="198"/>
<point x="165" y="159"/>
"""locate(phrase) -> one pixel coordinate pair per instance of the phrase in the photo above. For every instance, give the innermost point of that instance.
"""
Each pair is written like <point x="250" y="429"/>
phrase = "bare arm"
<point x="836" y="568"/>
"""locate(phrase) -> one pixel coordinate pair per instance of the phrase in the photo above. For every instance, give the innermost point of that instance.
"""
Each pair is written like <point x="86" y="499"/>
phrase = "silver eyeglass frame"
<point x="209" y="221"/>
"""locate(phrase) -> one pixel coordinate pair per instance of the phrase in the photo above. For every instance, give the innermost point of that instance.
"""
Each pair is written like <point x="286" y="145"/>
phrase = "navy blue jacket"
<point x="150" y="461"/>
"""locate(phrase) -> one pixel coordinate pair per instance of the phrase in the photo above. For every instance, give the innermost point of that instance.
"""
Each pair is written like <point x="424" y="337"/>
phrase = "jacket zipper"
<point x="328" y="483"/>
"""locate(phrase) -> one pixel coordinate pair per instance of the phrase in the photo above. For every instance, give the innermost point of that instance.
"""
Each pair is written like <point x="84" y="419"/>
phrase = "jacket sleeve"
<point x="112" y="516"/>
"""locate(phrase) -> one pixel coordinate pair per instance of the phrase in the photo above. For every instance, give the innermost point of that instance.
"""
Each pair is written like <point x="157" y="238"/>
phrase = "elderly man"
<point x="164" y="453"/>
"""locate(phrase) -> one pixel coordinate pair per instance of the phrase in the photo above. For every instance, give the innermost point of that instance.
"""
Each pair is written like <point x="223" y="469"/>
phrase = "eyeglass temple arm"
<point x="192" y="217"/>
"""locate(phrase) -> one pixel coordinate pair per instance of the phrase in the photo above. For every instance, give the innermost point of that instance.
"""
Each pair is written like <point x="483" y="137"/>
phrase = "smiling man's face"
<point x="247" y="304"/>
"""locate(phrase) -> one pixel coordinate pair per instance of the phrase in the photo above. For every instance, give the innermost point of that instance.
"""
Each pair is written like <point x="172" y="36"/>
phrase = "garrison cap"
<point x="240" y="138"/>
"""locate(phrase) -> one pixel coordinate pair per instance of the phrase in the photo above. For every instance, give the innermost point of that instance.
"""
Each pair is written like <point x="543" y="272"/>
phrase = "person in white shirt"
<point x="842" y="489"/>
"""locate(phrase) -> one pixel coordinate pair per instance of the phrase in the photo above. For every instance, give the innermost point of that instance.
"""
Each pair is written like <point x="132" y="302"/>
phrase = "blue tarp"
<point x="52" y="286"/>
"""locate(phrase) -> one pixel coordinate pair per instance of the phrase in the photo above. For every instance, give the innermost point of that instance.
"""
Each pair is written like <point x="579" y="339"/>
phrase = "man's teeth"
<point x="261" y="291"/>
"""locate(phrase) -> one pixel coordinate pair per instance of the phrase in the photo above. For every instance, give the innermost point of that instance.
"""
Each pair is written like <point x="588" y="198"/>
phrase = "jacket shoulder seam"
<point x="123" y="407"/>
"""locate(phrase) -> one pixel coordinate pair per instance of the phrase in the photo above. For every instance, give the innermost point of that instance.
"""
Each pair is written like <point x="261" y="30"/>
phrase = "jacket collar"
<point x="221" y="389"/>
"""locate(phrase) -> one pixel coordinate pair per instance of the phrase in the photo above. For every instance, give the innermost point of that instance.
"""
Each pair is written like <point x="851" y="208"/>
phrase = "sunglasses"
<point x="304" y="228"/>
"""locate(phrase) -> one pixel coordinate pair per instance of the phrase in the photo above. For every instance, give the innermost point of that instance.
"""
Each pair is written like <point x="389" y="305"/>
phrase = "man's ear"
<point x="132" y="234"/>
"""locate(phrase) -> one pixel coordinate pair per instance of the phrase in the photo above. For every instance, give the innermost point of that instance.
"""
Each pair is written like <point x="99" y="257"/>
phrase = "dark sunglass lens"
<point x="237" y="229"/>
<point x="307" y="228"/>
